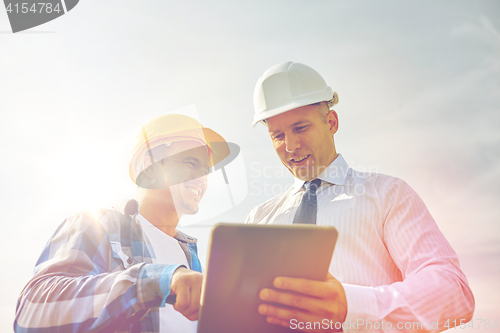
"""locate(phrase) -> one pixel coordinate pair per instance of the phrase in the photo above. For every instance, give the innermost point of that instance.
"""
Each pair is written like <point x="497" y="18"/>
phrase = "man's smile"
<point x="196" y="190"/>
<point x="299" y="160"/>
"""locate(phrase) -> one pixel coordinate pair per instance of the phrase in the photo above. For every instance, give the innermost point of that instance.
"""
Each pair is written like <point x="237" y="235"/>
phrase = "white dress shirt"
<point x="395" y="265"/>
<point x="166" y="250"/>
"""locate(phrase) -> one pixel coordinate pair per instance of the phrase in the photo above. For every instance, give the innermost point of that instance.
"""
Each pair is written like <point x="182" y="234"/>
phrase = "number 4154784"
<point x="474" y="323"/>
<point x="39" y="7"/>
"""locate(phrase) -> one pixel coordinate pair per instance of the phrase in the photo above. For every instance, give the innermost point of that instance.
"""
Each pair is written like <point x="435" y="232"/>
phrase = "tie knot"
<point x="313" y="185"/>
<point x="307" y="210"/>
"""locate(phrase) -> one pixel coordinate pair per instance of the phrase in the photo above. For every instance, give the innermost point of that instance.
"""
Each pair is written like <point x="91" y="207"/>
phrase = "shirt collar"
<point x="335" y="173"/>
<point x="143" y="221"/>
<point x="179" y="235"/>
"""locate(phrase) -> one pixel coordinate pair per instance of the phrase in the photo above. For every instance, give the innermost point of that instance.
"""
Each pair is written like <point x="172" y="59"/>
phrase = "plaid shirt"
<point x="96" y="275"/>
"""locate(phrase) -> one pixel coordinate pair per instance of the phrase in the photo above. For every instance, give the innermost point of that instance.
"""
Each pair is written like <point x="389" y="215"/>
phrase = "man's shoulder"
<point x="374" y="177"/>
<point x="101" y="214"/>
<point x="268" y="206"/>
<point x="111" y="220"/>
<point x="385" y="186"/>
<point x="272" y="202"/>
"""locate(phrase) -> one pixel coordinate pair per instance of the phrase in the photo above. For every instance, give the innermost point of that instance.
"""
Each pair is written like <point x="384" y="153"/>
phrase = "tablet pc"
<point x="244" y="258"/>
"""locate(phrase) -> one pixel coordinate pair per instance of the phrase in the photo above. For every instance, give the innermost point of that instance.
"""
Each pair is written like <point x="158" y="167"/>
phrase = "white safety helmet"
<point x="288" y="86"/>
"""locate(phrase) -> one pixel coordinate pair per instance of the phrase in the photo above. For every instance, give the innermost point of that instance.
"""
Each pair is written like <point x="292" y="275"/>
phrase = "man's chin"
<point x="186" y="209"/>
<point x="191" y="210"/>
<point x="304" y="174"/>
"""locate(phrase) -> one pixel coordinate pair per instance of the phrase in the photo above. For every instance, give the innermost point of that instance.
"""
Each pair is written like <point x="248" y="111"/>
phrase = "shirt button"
<point x="130" y="261"/>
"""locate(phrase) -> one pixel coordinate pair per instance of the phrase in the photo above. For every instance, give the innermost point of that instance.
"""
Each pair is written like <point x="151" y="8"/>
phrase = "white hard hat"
<point x="288" y="86"/>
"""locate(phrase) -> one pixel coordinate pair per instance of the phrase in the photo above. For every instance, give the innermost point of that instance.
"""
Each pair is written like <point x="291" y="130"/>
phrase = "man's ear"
<point x="332" y="120"/>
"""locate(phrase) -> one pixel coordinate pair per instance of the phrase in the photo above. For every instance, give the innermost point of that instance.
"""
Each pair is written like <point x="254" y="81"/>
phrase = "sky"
<point x="418" y="83"/>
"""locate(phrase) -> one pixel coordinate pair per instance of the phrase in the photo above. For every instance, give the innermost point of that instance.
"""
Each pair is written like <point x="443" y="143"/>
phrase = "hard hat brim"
<point x="327" y="95"/>
<point x="216" y="144"/>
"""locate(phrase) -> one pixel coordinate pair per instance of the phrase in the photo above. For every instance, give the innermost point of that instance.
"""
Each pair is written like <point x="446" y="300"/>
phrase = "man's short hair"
<point x="323" y="111"/>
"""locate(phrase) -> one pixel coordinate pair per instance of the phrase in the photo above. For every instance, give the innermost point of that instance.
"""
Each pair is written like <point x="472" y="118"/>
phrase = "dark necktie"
<point x="306" y="213"/>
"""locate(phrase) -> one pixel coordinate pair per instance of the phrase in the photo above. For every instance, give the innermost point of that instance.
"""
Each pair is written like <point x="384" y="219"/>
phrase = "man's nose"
<point x="199" y="177"/>
<point x="203" y="179"/>
<point x="292" y="143"/>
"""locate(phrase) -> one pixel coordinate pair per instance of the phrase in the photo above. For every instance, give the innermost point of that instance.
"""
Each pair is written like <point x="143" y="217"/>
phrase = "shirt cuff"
<point x="362" y="307"/>
<point x="154" y="283"/>
<point x="166" y="279"/>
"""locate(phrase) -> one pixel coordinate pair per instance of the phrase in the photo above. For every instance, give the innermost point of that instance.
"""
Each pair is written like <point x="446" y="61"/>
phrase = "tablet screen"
<point x="243" y="259"/>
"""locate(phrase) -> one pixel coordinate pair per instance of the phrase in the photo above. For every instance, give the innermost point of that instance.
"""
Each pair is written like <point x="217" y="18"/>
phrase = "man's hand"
<point x="186" y="285"/>
<point x="312" y="301"/>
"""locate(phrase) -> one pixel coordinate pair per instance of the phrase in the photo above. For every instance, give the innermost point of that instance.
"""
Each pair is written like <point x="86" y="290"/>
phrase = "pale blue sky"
<point x="418" y="83"/>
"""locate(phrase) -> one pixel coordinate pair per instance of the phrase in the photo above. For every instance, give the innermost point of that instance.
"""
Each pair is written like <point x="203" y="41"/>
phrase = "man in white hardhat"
<point x="392" y="269"/>
<point x="106" y="271"/>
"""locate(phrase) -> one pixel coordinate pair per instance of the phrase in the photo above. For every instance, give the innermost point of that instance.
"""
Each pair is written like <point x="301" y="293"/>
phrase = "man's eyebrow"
<point x="198" y="161"/>
<point x="297" y="123"/>
<point x="300" y="122"/>
<point x="275" y="132"/>
<point x="191" y="159"/>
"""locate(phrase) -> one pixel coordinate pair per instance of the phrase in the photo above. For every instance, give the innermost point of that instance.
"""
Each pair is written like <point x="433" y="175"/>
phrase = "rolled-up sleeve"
<point x="77" y="288"/>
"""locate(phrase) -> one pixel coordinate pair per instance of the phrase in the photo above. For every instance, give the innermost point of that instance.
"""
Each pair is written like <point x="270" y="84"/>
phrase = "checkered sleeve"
<point x="78" y="286"/>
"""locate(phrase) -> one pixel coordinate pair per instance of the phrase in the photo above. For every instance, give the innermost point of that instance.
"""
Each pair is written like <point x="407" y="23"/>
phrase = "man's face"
<point x="303" y="140"/>
<point x="186" y="168"/>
